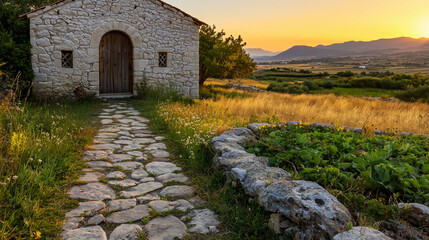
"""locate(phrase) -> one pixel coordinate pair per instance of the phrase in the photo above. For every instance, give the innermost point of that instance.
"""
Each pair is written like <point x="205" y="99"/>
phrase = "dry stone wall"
<point x="78" y="26"/>
<point x="305" y="209"/>
<point x="302" y="208"/>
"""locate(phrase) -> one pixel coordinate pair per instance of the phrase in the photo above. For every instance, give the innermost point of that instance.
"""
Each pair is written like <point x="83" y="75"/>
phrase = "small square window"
<point x="67" y="59"/>
<point x="162" y="59"/>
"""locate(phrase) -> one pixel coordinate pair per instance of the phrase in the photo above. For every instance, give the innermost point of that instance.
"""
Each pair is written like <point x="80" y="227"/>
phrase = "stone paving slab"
<point x="91" y="177"/>
<point x="87" y="208"/>
<point x="118" y="168"/>
<point x="142" y="189"/>
<point x="177" y="192"/>
<point x="163" y="228"/>
<point x="121" y="204"/>
<point x="92" y="191"/>
<point x="160" y="168"/>
<point x="130" y="215"/>
<point x="96" y="155"/>
<point x="116" y="175"/>
<point x="119" y="157"/>
<point x="126" y="232"/>
<point x="93" y="233"/>
<point x="172" y="177"/>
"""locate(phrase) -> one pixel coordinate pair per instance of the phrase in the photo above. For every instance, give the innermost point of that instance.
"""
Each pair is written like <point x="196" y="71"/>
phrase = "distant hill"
<point x="352" y="48"/>
<point x="299" y="52"/>
<point x="259" y="52"/>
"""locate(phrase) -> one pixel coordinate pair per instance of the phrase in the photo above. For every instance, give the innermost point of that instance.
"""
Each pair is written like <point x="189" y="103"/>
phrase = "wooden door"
<point x="115" y="63"/>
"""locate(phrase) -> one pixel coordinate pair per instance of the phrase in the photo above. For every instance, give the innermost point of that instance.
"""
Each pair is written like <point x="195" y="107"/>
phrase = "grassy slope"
<point x="241" y="218"/>
<point x="33" y="205"/>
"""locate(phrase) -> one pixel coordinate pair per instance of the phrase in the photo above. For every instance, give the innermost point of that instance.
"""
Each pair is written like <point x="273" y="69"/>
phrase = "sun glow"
<point x="424" y="28"/>
<point x="278" y="25"/>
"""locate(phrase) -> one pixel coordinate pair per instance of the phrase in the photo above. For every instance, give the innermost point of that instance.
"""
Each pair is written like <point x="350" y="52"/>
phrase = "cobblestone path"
<point x="131" y="188"/>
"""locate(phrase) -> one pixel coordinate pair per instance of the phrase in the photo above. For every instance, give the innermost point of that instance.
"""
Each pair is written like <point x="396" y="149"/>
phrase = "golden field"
<point x="341" y="111"/>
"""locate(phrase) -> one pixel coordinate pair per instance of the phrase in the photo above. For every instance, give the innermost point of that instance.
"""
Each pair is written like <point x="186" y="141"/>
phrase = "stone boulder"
<point x="308" y="205"/>
<point x="416" y="214"/>
<point x="362" y="233"/>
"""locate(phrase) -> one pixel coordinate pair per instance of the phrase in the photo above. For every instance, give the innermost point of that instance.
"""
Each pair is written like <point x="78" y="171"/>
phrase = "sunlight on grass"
<point x="40" y="145"/>
<point x="342" y="111"/>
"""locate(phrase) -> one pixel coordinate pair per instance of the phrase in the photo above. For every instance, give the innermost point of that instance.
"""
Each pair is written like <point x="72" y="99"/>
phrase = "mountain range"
<point x="259" y="52"/>
<point x="352" y="48"/>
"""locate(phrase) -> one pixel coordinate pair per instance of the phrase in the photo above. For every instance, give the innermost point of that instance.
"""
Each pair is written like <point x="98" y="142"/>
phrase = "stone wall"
<point x="79" y="25"/>
<point x="302" y="208"/>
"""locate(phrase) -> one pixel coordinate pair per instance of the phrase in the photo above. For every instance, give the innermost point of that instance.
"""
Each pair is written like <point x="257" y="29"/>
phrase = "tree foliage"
<point x="14" y="43"/>
<point x="223" y="57"/>
<point x="15" y="47"/>
<point x="23" y="6"/>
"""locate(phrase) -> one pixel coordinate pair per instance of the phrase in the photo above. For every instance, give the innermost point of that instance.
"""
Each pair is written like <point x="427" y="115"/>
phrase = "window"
<point x="67" y="59"/>
<point x="162" y="59"/>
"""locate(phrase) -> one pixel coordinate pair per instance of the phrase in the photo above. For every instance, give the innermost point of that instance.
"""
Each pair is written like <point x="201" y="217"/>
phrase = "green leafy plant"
<point x="365" y="173"/>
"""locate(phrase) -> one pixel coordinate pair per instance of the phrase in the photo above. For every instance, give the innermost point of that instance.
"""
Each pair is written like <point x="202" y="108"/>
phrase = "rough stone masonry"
<point x="77" y="26"/>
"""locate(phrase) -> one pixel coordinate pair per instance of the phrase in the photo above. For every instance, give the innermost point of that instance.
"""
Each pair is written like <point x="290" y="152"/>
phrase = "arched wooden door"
<point x="116" y="63"/>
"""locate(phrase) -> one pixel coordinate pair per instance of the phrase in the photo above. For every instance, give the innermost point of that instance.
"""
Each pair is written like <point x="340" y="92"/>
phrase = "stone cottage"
<point x="109" y="46"/>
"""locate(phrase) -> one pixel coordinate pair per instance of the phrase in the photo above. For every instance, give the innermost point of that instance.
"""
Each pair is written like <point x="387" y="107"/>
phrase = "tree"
<point x="14" y="44"/>
<point x="15" y="47"/>
<point x="223" y="57"/>
<point x="23" y="6"/>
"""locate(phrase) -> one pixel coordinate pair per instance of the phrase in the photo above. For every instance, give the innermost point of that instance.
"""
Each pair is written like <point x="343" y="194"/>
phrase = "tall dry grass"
<point x="342" y="111"/>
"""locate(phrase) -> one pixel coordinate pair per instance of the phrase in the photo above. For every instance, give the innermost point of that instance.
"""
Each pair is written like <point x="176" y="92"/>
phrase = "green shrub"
<point x="371" y="82"/>
<point x="287" y="88"/>
<point x="296" y="89"/>
<point x="343" y="85"/>
<point x="326" y="84"/>
<point x="387" y="83"/>
<point x="417" y="80"/>
<point x="345" y="74"/>
<point x="311" y="85"/>
<point x="278" y="87"/>
<point x="415" y="94"/>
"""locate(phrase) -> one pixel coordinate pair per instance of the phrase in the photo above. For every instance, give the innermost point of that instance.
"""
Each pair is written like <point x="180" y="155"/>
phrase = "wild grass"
<point x="188" y="139"/>
<point x="190" y="125"/>
<point x="342" y="111"/>
<point x="40" y="145"/>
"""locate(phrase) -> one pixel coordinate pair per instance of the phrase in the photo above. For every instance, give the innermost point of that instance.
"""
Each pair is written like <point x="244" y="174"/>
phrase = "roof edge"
<point x="41" y="8"/>
<point x="196" y="20"/>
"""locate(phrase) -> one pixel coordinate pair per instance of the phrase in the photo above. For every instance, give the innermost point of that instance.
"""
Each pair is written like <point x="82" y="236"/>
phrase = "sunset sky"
<point x="277" y="25"/>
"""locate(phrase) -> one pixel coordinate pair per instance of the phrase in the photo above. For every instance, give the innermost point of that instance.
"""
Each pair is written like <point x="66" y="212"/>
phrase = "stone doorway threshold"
<point x="115" y="95"/>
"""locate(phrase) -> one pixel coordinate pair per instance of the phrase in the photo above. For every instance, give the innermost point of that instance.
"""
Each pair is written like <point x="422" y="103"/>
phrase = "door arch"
<point x="116" y="71"/>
